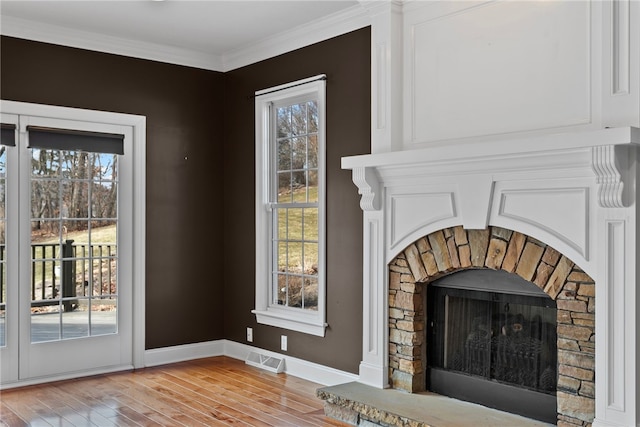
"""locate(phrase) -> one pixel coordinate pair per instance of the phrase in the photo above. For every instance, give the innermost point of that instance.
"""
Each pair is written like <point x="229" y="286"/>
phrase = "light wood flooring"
<point x="217" y="391"/>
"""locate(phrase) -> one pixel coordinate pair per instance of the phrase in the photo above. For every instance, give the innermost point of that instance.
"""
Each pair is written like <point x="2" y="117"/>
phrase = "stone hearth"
<point x="454" y="249"/>
<point x="366" y="406"/>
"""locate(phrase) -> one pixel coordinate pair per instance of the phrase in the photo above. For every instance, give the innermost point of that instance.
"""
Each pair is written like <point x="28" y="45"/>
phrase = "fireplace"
<point x="557" y="210"/>
<point x="525" y="287"/>
<point x="491" y="339"/>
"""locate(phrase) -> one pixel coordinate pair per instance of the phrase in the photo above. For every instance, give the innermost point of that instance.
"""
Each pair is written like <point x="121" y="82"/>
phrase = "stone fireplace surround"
<point x="454" y="249"/>
<point x="559" y="210"/>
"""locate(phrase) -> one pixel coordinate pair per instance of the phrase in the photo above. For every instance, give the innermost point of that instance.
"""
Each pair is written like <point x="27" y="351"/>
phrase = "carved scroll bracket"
<point x="366" y="179"/>
<point x="609" y="164"/>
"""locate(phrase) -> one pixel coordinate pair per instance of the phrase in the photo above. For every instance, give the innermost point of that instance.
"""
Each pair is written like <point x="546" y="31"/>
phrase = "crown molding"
<point x="339" y="23"/>
<point x="37" y="31"/>
<point x="333" y="25"/>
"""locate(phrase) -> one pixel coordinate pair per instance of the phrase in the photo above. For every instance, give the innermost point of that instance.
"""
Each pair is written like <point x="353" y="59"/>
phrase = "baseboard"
<point x="306" y="370"/>
<point x="300" y="368"/>
<point x="180" y="353"/>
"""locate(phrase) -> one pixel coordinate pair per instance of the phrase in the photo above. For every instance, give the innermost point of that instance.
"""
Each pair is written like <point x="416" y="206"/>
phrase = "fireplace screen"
<point x="491" y="330"/>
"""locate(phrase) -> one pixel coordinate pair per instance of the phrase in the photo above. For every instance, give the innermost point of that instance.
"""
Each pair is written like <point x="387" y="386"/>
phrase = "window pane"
<point x="285" y="195"/>
<point x="295" y="224"/>
<point x="294" y="257"/>
<point x="281" y="289"/>
<point x="311" y="258"/>
<point x="282" y="256"/>
<point x="103" y="167"/>
<point x="45" y="163"/>
<point x="75" y="321"/>
<point x="313" y="186"/>
<point x="310" y="293"/>
<point x="46" y="268"/>
<point x="299" y="153"/>
<point x="299" y="119"/>
<point x="3" y="162"/>
<point x="284" y="154"/>
<point x="310" y="231"/>
<point x="45" y="198"/>
<point x="312" y="160"/>
<point x="45" y="322"/>
<point x="104" y="316"/>
<point x="312" y="107"/>
<point x="282" y="215"/>
<point x="104" y="200"/>
<point x="284" y="122"/>
<point x="299" y="184"/>
<point x="103" y="272"/>
<point x="295" y="291"/>
<point x="75" y="199"/>
<point x="103" y="232"/>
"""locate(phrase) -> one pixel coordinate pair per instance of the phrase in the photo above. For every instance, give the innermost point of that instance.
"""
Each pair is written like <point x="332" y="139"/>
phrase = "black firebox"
<point x="492" y="340"/>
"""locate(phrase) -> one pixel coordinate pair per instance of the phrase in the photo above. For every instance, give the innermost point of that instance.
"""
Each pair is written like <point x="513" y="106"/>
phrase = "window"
<point x="290" y="207"/>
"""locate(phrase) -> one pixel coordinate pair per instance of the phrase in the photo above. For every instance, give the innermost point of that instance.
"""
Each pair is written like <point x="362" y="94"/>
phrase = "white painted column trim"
<point x="617" y="329"/>
<point x="386" y="75"/>
<point x="374" y="367"/>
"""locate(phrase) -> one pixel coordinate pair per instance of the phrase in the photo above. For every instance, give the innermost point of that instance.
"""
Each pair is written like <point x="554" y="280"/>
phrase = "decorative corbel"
<point x="606" y="161"/>
<point x="368" y="185"/>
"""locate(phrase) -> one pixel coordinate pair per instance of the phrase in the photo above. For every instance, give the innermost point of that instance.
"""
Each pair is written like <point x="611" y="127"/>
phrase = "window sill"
<point x="292" y="321"/>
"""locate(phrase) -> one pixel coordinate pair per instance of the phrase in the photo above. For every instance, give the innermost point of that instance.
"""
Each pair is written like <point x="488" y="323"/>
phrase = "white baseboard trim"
<point x="180" y="353"/>
<point x="306" y="370"/>
<point x="309" y="371"/>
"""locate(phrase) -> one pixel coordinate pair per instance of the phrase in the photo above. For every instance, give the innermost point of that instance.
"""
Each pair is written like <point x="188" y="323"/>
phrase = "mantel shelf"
<point x="497" y="148"/>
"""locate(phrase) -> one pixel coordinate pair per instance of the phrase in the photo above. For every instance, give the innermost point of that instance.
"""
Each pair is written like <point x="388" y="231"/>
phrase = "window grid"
<point x="292" y="281"/>
<point x="56" y="183"/>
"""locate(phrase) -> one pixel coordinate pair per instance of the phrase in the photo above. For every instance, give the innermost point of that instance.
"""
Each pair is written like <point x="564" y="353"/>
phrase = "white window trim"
<point x="306" y="321"/>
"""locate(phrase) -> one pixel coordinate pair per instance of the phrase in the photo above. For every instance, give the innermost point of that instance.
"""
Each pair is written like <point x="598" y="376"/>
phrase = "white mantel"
<point x="521" y="115"/>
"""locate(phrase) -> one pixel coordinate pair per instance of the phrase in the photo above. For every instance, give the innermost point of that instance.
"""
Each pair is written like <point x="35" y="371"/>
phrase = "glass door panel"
<point x="74" y="229"/>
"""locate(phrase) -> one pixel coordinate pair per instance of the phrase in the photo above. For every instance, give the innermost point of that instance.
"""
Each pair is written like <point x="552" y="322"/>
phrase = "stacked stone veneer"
<point x="454" y="249"/>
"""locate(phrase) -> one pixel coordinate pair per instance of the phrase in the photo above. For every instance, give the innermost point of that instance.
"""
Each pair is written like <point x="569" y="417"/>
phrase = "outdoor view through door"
<point x="74" y="196"/>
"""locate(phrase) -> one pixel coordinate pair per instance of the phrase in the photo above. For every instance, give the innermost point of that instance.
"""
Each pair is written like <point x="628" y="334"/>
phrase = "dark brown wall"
<point x="200" y="231"/>
<point x="184" y="114"/>
<point x="347" y="63"/>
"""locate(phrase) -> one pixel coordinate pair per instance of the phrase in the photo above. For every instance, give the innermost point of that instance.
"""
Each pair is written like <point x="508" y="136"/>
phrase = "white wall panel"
<point x="410" y="212"/>
<point x="477" y="69"/>
<point x="561" y="212"/>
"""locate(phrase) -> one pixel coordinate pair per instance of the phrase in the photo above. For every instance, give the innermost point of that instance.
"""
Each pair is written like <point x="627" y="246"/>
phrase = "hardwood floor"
<point x="217" y="391"/>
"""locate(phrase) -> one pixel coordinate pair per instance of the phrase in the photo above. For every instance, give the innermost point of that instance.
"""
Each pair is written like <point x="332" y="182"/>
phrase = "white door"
<point x="68" y="303"/>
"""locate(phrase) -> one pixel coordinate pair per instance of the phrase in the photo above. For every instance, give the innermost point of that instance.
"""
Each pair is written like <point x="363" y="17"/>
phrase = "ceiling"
<point x="216" y="29"/>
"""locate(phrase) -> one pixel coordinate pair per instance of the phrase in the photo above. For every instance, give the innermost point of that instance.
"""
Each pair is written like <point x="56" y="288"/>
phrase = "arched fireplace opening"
<point x="452" y="251"/>
<point x="491" y="339"/>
